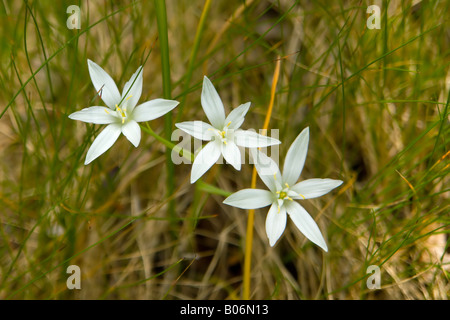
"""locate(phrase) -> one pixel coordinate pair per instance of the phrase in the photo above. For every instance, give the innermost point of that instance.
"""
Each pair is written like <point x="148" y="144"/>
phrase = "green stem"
<point x="161" y="18"/>
<point x="184" y="153"/>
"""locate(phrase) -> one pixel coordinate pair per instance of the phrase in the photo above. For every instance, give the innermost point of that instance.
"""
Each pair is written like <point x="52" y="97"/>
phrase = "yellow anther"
<point x="279" y="209"/>
<point x="106" y="110"/>
<point x="289" y="198"/>
<point x="121" y="112"/>
<point x="129" y="97"/>
<point x="302" y="196"/>
<point x="287" y="186"/>
<point x="228" y="124"/>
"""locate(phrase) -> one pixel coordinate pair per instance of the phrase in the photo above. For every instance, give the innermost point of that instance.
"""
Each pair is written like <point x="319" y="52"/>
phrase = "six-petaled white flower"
<point x="284" y="189"/>
<point x="121" y="114"/>
<point x="223" y="133"/>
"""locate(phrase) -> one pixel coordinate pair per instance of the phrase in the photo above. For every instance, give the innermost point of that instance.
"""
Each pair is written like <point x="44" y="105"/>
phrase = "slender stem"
<point x="251" y="213"/>
<point x="161" y="18"/>
<point x="184" y="153"/>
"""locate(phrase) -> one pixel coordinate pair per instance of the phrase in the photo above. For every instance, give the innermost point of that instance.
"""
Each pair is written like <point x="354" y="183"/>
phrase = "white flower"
<point x="122" y="115"/>
<point x="223" y="133"/>
<point x="284" y="189"/>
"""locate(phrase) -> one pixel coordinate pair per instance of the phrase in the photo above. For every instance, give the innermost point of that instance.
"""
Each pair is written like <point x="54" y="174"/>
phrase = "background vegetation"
<point x="376" y="103"/>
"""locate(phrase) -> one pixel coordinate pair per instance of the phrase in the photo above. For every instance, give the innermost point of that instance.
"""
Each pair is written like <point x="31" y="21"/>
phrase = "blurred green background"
<point x="375" y="100"/>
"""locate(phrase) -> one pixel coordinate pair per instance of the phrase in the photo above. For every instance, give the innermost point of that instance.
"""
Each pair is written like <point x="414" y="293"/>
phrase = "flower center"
<point x="122" y="112"/>
<point x="222" y="134"/>
<point x="282" y="196"/>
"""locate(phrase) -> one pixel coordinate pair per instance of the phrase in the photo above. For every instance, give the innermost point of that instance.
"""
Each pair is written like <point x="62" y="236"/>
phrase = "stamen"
<point x="106" y="110"/>
<point x="129" y="97"/>
<point x="228" y="124"/>
<point x="121" y="111"/>
<point x="287" y="186"/>
<point x="302" y="196"/>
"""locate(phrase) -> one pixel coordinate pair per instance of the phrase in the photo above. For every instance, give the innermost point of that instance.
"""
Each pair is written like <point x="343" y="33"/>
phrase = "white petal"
<point x="198" y="129"/>
<point x="313" y="188"/>
<point x="132" y="131"/>
<point x="280" y="202"/>
<point x="97" y="115"/>
<point x="305" y="223"/>
<point x="153" y="109"/>
<point x="275" y="223"/>
<point x="267" y="170"/>
<point x="104" y="84"/>
<point x="103" y="142"/>
<point x="205" y="160"/>
<point x="251" y="139"/>
<point x="237" y="116"/>
<point x="250" y="199"/>
<point x="132" y="90"/>
<point x="293" y="195"/>
<point x="212" y="104"/>
<point x="232" y="154"/>
<point x="295" y="158"/>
